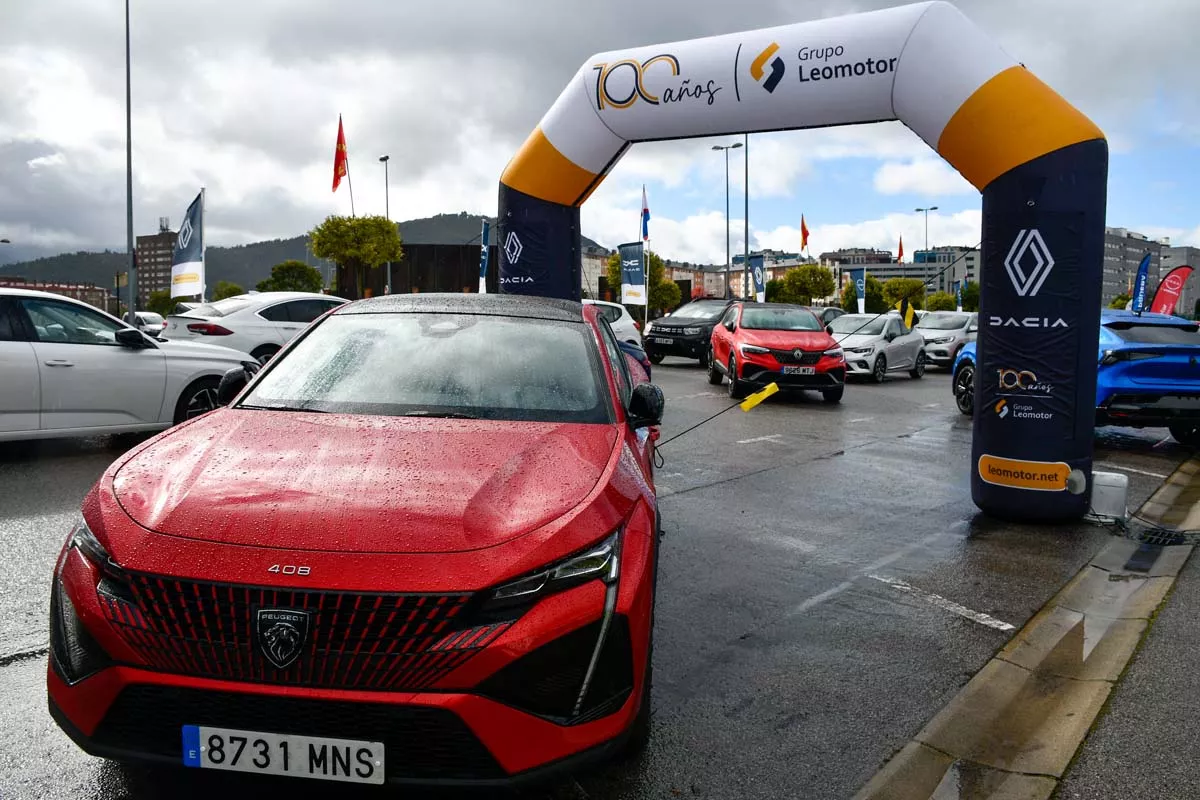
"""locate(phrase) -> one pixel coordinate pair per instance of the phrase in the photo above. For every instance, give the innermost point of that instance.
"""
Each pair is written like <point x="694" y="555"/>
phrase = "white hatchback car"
<point x="620" y="320"/>
<point x="876" y="344"/>
<point x="69" y="369"/>
<point x="259" y="323"/>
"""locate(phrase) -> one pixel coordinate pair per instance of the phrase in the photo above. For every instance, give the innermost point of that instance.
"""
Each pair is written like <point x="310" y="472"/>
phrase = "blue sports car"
<point x="1148" y="374"/>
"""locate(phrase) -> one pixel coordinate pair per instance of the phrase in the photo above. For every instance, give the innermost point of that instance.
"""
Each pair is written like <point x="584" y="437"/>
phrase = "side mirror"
<point x="730" y="326"/>
<point x="130" y="337"/>
<point x="829" y="329"/>
<point x="234" y="380"/>
<point x="646" y="406"/>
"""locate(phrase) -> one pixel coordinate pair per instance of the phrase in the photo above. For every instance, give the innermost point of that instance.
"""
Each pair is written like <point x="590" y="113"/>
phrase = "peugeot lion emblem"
<point x="282" y="633"/>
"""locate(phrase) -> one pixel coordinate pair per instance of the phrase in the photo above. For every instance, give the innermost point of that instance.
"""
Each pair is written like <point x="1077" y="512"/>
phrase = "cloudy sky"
<point x="243" y="99"/>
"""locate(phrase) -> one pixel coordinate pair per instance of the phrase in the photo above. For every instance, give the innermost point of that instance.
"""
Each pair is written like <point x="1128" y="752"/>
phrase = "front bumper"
<point x="757" y="376"/>
<point x="688" y="346"/>
<point x="1145" y="410"/>
<point x="860" y="363"/>
<point x="941" y="355"/>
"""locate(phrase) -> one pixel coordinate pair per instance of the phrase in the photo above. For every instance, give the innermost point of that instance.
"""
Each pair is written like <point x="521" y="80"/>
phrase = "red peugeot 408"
<point x="755" y="344"/>
<point x="420" y="546"/>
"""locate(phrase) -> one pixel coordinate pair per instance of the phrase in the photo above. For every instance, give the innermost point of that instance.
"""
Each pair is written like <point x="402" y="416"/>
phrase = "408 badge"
<point x="621" y="84"/>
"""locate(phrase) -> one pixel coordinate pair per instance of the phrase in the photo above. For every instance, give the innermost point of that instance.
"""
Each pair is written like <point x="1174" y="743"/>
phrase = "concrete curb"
<point x="1012" y="731"/>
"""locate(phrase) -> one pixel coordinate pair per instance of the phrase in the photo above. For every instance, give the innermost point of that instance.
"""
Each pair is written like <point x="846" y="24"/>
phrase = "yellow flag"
<point x="756" y="398"/>
<point x="906" y="311"/>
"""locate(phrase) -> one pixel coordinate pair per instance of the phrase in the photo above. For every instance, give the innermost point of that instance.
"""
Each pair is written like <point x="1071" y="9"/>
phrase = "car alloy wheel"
<point x="737" y="389"/>
<point x="1186" y="433"/>
<point x="879" y="372"/>
<point x="714" y="372"/>
<point x="964" y="389"/>
<point x="198" y="398"/>
<point x="918" y="369"/>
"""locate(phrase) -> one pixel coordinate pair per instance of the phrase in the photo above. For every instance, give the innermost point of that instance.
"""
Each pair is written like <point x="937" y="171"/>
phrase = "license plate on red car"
<point x="661" y="340"/>
<point x="799" y="370"/>
<point x="346" y="760"/>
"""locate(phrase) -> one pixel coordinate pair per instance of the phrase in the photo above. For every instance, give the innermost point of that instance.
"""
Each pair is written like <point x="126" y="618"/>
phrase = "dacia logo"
<point x="1026" y="322"/>
<point x="517" y="279"/>
<point x="777" y="68"/>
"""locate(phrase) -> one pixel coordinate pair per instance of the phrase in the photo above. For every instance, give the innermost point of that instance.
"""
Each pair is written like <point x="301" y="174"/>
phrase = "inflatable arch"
<point x="1041" y="166"/>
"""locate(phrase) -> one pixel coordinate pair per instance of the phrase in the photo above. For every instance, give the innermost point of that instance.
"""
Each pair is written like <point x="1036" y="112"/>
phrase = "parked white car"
<point x="620" y="320"/>
<point x="147" y="322"/>
<point x="878" y="344"/>
<point x="258" y="324"/>
<point x="69" y="369"/>
<point x="945" y="334"/>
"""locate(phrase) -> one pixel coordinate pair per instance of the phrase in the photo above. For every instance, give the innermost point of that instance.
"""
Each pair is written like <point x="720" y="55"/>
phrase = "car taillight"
<point x="208" y="329"/>
<point x="637" y="325"/>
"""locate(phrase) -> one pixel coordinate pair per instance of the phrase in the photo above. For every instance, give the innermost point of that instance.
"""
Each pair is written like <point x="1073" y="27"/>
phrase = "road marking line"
<point x="770" y="438"/>
<point x="817" y="599"/>
<point x="931" y="405"/>
<point x="861" y="419"/>
<point x="694" y="396"/>
<point x="944" y="604"/>
<point x="1131" y="469"/>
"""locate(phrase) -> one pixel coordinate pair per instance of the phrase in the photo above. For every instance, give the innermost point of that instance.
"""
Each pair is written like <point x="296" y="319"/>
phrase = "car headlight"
<point x="600" y="561"/>
<point x="692" y="331"/>
<point x="861" y="351"/>
<point x="649" y="327"/>
<point x="752" y="348"/>
<point x="835" y="352"/>
<point x="941" y="340"/>
<point x="83" y="540"/>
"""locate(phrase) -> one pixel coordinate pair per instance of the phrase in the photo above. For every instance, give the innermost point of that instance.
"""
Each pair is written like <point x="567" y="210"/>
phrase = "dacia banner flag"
<point x="633" y="274"/>
<point x="859" y="276"/>
<point x="1168" y="291"/>
<point x="760" y="279"/>
<point x="483" y="257"/>
<point x="1139" y="284"/>
<point x="187" y="260"/>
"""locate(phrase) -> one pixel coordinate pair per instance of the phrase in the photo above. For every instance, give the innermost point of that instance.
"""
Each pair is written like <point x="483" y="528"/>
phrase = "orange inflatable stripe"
<point x="540" y="170"/>
<point x="1010" y="120"/>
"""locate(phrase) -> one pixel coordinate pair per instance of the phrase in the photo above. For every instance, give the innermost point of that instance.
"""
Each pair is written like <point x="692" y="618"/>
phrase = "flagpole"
<point x="350" y="184"/>
<point x="129" y="174"/>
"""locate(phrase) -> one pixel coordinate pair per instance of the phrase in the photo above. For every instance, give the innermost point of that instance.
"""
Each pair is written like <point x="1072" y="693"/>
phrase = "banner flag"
<point x="187" y="258"/>
<point x="958" y="290"/>
<point x="859" y="276"/>
<point x="760" y="279"/>
<point x="1139" y="284"/>
<point x="483" y="257"/>
<point x="633" y="274"/>
<point x="1169" y="290"/>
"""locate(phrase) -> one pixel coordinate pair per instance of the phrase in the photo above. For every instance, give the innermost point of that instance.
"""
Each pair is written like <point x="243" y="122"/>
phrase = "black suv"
<point x="685" y="332"/>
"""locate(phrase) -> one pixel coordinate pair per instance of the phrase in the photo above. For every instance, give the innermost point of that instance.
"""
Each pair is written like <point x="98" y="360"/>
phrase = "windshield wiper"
<point x="438" y="414"/>
<point x="283" y="408"/>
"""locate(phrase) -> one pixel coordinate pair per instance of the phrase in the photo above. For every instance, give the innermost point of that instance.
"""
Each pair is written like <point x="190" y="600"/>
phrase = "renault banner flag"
<point x="187" y="260"/>
<point x="483" y="257"/>
<point x="958" y="289"/>
<point x="1168" y="291"/>
<point x="760" y="279"/>
<point x="633" y="274"/>
<point x="859" y="277"/>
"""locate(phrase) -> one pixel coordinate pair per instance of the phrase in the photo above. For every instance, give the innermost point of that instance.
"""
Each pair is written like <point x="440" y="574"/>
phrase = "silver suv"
<point x="945" y="332"/>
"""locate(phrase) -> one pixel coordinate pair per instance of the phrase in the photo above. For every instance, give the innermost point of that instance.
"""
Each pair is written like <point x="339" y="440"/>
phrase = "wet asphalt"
<point x="802" y="633"/>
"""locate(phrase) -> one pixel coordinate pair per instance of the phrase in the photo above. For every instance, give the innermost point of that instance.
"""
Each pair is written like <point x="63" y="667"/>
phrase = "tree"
<point x="356" y="245"/>
<point x="227" y="289"/>
<point x="160" y="302"/>
<point x="805" y="283"/>
<point x="941" y="301"/>
<point x="773" y="289"/>
<point x="1120" y="301"/>
<point x="971" y="296"/>
<point x="896" y="288"/>
<point x="292" y="276"/>
<point x="664" y="292"/>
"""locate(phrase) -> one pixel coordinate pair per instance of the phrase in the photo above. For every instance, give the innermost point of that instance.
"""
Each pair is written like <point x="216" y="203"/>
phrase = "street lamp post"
<point x="129" y="174"/>
<point x="926" y="212"/>
<point x="746" y="235"/>
<point x="728" y="261"/>
<point x="387" y="212"/>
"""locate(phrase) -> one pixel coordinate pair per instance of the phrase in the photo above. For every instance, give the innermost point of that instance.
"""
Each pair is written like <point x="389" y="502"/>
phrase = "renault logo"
<point x="1028" y="262"/>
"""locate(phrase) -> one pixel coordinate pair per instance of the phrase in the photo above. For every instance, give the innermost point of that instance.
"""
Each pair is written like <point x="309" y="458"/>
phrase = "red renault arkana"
<point x="419" y="547"/>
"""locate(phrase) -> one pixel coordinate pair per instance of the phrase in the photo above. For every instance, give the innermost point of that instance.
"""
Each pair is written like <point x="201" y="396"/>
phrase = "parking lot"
<point x="826" y="586"/>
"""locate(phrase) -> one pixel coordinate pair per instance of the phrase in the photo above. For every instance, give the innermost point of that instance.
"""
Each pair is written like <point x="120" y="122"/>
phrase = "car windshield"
<point x="779" y="319"/>
<point x="437" y="364"/>
<point x="150" y="318"/>
<point x="943" y="321"/>
<point x="704" y="311"/>
<point x="1182" y="333"/>
<point x="222" y="308"/>
<point x="863" y="324"/>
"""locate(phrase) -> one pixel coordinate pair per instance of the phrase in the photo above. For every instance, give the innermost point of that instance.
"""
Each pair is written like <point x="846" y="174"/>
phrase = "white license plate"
<point x="660" y="340"/>
<point x="277" y="754"/>
<point x="799" y="370"/>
